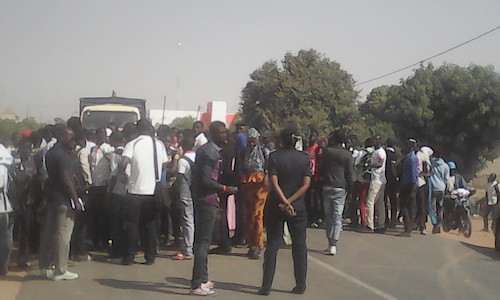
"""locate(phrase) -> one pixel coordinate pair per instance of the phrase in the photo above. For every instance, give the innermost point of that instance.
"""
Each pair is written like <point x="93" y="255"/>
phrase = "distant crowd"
<point x="67" y="192"/>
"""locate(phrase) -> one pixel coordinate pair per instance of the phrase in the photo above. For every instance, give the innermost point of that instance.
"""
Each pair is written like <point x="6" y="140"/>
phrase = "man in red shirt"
<point x="313" y="195"/>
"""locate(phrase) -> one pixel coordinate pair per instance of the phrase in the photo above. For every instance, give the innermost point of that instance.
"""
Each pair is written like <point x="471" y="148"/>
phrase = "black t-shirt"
<point x="291" y="166"/>
<point x="390" y="174"/>
<point x="56" y="160"/>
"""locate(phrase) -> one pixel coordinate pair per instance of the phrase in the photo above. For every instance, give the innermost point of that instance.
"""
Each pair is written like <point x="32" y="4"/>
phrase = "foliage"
<point x="7" y="127"/>
<point x="183" y="123"/>
<point x="308" y="90"/>
<point x="455" y="110"/>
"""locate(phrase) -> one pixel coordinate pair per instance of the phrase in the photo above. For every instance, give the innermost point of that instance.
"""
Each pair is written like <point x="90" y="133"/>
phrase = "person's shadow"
<point x="490" y="252"/>
<point x="177" y="286"/>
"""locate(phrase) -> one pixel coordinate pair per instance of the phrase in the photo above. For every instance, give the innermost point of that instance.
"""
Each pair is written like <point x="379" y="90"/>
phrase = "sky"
<point x="191" y="52"/>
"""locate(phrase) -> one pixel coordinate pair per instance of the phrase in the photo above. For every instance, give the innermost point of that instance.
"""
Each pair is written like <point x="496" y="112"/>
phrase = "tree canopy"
<point x="183" y="123"/>
<point x="455" y="110"/>
<point x="308" y="90"/>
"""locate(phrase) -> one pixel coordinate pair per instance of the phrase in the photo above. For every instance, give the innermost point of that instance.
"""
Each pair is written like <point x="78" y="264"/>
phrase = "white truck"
<point x="100" y="112"/>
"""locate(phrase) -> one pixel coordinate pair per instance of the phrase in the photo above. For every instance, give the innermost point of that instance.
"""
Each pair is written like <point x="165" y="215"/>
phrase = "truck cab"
<point x="100" y="112"/>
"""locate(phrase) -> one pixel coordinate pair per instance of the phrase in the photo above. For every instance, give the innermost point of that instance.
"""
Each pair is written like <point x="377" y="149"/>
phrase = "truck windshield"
<point x="98" y="119"/>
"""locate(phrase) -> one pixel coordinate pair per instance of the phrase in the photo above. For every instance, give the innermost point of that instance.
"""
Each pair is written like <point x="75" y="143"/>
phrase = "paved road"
<point x="368" y="266"/>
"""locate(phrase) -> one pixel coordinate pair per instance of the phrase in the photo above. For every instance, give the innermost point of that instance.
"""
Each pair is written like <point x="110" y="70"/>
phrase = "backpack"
<point x="364" y="168"/>
<point x="175" y="190"/>
<point x="18" y="185"/>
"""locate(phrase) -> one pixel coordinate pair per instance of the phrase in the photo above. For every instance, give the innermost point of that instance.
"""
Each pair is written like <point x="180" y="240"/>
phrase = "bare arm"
<point x="299" y="193"/>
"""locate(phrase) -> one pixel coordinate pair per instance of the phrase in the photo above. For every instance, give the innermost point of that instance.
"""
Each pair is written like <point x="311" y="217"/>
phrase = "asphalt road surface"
<point x="367" y="266"/>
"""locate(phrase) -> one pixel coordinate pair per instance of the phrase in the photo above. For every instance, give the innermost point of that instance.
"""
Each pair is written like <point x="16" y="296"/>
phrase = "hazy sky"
<point x="54" y="52"/>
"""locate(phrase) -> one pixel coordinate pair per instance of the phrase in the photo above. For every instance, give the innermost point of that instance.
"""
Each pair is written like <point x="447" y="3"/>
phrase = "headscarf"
<point x="254" y="160"/>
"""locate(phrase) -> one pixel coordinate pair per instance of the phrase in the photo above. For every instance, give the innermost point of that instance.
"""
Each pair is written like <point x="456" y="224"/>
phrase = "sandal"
<point x="181" y="256"/>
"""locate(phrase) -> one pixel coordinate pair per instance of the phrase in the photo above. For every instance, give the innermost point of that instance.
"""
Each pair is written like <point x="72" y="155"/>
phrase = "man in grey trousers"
<point x="62" y="201"/>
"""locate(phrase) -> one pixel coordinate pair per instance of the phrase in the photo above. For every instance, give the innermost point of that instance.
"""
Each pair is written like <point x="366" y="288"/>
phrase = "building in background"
<point x="9" y="114"/>
<point x="216" y="111"/>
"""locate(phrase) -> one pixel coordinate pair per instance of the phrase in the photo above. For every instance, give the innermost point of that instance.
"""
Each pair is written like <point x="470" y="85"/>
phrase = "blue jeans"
<point x="333" y="201"/>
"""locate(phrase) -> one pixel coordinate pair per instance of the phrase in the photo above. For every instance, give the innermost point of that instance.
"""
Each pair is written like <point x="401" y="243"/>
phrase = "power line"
<point x="429" y="58"/>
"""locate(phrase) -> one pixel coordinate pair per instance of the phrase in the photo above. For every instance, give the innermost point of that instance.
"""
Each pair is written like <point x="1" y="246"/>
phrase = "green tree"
<point x="454" y="109"/>
<point x="183" y="123"/>
<point x="7" y="127"/>
<point x="308" y="89"/>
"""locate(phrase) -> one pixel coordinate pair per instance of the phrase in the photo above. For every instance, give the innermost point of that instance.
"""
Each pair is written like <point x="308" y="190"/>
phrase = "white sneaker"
<point x="208" y="285"/>
<point x="66" y="276"/>
<point x="331" y="250"/>
<point x="46" y="273"/>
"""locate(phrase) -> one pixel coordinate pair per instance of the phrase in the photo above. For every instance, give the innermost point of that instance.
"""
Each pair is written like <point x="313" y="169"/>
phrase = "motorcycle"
<point x="457" y="207"/>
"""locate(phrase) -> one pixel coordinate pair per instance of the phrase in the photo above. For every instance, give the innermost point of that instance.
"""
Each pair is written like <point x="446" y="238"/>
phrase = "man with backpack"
<point x="362" y="183"/>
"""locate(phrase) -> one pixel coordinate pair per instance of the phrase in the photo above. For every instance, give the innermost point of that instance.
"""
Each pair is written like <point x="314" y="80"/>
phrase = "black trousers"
<point x="221" y="231"/>
<point x="274" y="222"/>
<point x="391" y="197"/>
<point x="408" y="204"/>
<point x="98" y="225"/>
<point x="79" y="235"/>
<point x="204" y="222"/>
<point x="314" y="202"/>
<point x="422" y="207"/>
<point x="115" y="210"/>
<point x="241" y="217"/>
<point x="139" y="222"/>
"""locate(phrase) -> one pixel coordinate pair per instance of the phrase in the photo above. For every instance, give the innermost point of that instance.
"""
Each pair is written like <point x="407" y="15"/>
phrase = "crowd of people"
<point x="114" y="190"/>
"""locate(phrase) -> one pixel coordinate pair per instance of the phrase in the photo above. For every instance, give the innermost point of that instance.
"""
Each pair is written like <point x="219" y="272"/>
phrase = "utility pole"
<point x="163" y="113"/>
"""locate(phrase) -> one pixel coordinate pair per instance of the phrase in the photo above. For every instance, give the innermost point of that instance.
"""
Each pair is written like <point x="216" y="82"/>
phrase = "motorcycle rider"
<point x="456" y="180"/>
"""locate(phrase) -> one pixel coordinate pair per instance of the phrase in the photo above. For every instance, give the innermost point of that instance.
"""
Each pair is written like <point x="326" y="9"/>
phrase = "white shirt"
<point x="492" y="194"/>
<point x="183" y="165"/>
<point x="142" y="179"/>
<point x="100" y="166"/>
<point x="199" y="141"/>
<point x="89" y="146"/>
<point x="379" y="158"/>
<point x="46" y="149"/>
<point x="5" y="160"/>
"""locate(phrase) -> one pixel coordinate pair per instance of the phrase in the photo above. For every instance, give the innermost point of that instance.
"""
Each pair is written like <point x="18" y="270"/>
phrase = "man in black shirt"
<point x="62" y="200"/>
<point x="206" y="190"/>
<point x="290" y="177"/>
<point x="338" y="178"/>
<point x="391" y="188"/>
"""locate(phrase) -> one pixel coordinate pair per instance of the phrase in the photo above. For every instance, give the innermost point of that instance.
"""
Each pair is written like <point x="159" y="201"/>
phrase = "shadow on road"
<point x="490" y="252"/>
<point x="227" y="286"/>
<point x="144" y="286"/>
<point x="175" y="286"/>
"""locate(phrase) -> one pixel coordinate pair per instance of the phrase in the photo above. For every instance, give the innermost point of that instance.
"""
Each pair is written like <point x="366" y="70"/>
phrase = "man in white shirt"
<point x="492" y="189"/>
<point x="6" y="211"/>
<point x="375" y="198"/>
<point x="100" y="168"/>
<point x="142" y="207"/>
<point x="200" y="136"/>
<point x="183" y="184"/>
